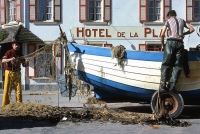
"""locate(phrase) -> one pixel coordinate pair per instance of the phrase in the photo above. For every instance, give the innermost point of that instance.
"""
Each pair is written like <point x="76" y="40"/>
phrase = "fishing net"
<point x="118" y="52"/>
<point x="46" y="65"/>
<point x="89" y="113"/>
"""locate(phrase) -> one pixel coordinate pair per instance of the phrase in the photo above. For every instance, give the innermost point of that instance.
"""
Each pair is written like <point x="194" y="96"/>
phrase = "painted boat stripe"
<point x="135" y="55"/>
<point x="135" y="63"/>
<point x="126" y="89"/>
<point x="125" y="75"/>
<point x="140" y="75"/>
<point x="138" y="70"/>
<point x="140" y="84"/>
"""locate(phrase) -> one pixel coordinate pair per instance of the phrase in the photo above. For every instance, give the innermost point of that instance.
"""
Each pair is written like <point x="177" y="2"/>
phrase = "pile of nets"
<point x="89" y="113"/>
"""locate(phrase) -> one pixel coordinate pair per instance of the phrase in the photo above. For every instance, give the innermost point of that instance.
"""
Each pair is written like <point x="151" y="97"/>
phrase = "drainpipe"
<point x="25" y="16"/>
<point x="25" y="12"/>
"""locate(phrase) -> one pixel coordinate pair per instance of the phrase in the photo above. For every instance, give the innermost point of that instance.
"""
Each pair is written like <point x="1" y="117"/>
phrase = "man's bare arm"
<point x="163" y="37"/>
<point x="8" y="60"/>
<point x="191" y="29"/>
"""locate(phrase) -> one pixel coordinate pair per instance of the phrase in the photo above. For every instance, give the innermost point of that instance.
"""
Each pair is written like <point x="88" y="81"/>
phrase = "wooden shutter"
<point x="3" y="12"/>
<point x="32" y="10"/>
<point x="57" y="10"/>
<point x="58" y="58"/>
<point x="143" y="10"/>
<point x="107" y="10"/>
<point x="189" y="11"/>
<point x="83" y="10"/>
<point x="167" y="8"/>
<point x="32" y="67"/>
<point x="142" y="47"/>
<point x="18" y="10"/>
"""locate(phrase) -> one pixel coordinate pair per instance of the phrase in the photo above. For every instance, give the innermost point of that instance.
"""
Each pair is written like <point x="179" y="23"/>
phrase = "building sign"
<point x="110" y="32"/>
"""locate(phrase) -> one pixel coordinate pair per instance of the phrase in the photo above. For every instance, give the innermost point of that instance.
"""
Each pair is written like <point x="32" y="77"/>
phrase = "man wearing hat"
<point x="13" y="59"/>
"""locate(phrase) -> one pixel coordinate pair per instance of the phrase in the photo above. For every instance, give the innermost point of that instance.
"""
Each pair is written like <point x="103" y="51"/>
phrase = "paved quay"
<point x="54" y="98"/>
<point x="49" y="97"/>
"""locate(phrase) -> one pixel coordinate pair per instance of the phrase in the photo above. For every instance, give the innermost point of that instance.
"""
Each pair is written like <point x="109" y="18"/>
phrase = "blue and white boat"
<point x="139" y="76"/>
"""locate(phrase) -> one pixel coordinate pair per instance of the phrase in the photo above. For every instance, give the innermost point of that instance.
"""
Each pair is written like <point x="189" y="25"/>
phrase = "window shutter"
<point x="167" y="8"/>
<point x="107" y="10"/>
<point x="32" y="10"/>
<point x="142" y="47"/>
<point x="31" y="68"/>
<point x="143" y="10"/>
<point x="57" y="10"/>
<point x="3" y="12"/>
<point x="189" y="11"/>
<point x="58" y="58"/>
<point x="82" y="10"/>
<point x="18" y="10"/>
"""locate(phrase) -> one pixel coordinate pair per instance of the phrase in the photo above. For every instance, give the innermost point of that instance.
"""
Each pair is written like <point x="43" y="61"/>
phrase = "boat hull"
<point x="139" y="76"/>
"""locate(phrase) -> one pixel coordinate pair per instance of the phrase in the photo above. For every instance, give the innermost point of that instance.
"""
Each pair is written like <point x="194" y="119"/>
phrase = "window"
<point x="98" y="43"/>
<point x="193" y="10"/>
<point x="10" y="11"/>
<point x="196" y="10"/>
<point x="142" y="47"/>
<point x="43" y="63"/>
<point x="151" y="46"/>
<point x="107" y="45"/>
<point x="95" y="10"/>
<point x="154" y="10"/>
<point x="45" y="10"/>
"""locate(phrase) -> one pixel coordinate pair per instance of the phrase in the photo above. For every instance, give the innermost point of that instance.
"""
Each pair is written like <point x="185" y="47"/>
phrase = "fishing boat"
<point x="137" y="78"/>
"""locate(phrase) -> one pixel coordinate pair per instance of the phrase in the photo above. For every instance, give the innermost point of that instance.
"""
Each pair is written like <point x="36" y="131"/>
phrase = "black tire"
<point x="178" y="103"/>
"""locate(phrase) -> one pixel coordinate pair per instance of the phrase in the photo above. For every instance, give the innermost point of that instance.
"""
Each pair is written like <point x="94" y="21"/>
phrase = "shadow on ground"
<point x="31" y="122"/>
<point x="189" y="112"/>
<point x="25" y="122"/>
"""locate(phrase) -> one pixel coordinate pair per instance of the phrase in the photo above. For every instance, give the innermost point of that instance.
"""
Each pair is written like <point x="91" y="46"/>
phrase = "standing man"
<point x="13" y="59"/>
<point x="173" y="50"/>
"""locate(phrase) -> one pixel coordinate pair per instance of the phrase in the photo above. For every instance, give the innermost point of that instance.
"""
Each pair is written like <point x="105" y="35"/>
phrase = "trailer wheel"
<point x="172" y="101"/>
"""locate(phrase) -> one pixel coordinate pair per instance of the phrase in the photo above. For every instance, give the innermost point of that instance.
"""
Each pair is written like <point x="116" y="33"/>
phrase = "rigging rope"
<point x="159" y="108"/>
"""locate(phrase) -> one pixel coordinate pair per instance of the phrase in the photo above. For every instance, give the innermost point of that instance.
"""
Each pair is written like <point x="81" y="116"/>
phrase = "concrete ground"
<point x="54" y="98"/>
<point x="49" y="97"/>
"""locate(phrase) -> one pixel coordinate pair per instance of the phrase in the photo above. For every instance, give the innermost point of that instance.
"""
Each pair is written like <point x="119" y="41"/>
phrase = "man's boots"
<point x="164" y="87"/>
<point x="172" y="87"/>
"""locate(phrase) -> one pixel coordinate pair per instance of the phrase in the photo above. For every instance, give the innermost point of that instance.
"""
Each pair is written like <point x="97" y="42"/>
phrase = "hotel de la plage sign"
<point x="111" y="33"/>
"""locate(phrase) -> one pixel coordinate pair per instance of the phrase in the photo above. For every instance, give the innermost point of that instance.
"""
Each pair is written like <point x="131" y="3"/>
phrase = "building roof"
<point x="21" y="34"/>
